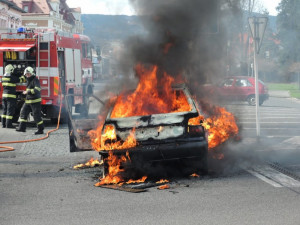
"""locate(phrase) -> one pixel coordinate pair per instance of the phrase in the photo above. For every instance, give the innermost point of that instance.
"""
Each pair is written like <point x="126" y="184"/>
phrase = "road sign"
<point x="258" y="27"/>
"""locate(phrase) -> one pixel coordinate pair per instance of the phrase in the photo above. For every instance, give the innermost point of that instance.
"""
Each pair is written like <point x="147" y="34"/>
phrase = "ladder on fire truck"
<point x="44" y="38"/>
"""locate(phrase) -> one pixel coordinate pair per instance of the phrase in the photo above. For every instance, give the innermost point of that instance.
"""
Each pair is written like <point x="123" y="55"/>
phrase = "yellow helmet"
<point x="9" y="68"/>
<point x="29" y="70"/>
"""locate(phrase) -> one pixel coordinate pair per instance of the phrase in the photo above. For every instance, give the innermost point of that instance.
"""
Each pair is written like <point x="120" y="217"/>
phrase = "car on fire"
<point x="159" y="137"/>
<point x="239" y="88"/>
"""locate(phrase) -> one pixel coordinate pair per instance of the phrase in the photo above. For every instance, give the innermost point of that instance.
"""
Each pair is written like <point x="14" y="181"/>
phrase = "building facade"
<point x="51" y="14"/>
<point x="10" y="15"/>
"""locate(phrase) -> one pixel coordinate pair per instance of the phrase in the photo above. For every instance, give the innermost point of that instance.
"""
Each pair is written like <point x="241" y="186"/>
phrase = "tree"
<point x="289" y="34"/>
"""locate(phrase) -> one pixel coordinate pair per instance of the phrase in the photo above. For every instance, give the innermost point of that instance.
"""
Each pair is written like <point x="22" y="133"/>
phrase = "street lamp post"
<point x="257" y="26"/>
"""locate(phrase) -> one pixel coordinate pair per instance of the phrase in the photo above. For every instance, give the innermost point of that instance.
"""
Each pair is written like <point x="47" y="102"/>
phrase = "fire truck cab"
<point x="62" y="61"/>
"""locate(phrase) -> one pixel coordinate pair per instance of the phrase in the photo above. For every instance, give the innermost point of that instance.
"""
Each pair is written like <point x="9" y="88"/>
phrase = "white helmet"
<point x="29" y="70"/>
<point x="9" y="68"/>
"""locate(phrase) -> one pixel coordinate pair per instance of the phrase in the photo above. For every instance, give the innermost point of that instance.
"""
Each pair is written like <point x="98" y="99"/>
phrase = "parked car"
<point x="239" y="88"/>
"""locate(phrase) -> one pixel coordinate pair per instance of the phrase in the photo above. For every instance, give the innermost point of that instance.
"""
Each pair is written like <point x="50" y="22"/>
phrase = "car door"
<point x="243" y="88"/>
<point x="226" y="89"/>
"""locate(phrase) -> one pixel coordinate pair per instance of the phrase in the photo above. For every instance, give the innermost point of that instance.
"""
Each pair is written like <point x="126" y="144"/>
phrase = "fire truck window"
<point x="89" y="55"/>
<point x="83" y="50"/>
<point x="43" y="46"/>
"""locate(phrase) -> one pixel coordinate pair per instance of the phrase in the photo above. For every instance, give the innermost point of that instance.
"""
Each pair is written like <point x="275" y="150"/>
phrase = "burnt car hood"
<point x="155" y="126"/>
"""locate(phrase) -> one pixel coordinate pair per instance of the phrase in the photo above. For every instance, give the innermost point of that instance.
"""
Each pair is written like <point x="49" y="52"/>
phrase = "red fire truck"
<point x="59" y="59"/>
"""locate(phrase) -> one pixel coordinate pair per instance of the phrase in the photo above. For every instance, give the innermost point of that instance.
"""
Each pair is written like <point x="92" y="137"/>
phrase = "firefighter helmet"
<point x="29" y="70"/>
<point x="9" y="68"/>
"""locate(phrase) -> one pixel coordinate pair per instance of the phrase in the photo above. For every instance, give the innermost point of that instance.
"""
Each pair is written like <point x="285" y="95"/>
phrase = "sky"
<point x="122" y="7"/>
<point x="271" y="5"/>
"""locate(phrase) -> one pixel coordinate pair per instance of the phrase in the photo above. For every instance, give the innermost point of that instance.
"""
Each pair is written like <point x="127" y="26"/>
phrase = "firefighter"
<point x="32" y="102"/>
<point x="9" y="97"/>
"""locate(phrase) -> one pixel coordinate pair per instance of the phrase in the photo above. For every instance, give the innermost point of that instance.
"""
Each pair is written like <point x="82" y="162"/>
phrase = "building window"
<point x="25" y="8"/>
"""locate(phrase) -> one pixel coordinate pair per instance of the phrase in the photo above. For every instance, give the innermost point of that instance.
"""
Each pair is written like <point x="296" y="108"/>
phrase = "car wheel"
<point x="251" y="100"/>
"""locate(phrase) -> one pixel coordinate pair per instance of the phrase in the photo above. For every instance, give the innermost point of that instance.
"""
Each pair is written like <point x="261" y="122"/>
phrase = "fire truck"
<point x="62" y="61"/>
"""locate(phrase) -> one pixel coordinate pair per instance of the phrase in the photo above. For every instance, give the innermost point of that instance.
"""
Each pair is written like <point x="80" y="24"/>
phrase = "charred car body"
<point x="159" y="137"/>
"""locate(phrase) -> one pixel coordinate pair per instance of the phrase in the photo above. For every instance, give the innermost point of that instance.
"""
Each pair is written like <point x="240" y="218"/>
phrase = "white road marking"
<point x="276" y="122"/>
<point x="265" y="179"/>
<point x="272" y="176"/>
<point x="271" y="117"/>
<point x="262" y="128"/>
<point x="291" y="143"/>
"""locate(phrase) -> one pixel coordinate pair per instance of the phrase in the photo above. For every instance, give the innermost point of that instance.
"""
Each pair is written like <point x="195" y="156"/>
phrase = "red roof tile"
<point x="39" y="6"/>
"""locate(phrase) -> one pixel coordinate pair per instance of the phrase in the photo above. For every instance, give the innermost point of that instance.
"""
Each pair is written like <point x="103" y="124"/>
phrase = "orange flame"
<point x="162" y="181"/>
<point x="220" y="126"/>
<point x="90" y="164"/>
<point x="108" y="140"/>
<point x="114" y="170"/>
<point x="137" y="181"/>
<point x="149" y="97"/>
<point x="194" y="175"/>
<point x="162" y="187"/>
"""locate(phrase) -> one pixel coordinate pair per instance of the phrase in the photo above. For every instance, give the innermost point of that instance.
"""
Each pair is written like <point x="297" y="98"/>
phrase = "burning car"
<point x="154" y="123"/>
<point x="146" y="138"/>
<point x="157" y="137"/>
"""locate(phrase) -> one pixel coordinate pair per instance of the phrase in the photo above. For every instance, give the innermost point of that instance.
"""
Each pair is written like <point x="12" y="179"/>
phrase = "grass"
<point x="293" y="88"/>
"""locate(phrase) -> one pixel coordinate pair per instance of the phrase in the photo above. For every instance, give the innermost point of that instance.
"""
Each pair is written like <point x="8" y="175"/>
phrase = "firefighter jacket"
<point x="33" y="90"/>
<point x="9" y="84"/>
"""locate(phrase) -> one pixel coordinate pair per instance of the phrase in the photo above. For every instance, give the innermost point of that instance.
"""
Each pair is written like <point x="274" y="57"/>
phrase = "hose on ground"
<point x="8" y="149"/>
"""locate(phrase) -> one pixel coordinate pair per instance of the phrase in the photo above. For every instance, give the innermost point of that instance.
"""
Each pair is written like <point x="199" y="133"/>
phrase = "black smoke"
<point x="184" y="37"/>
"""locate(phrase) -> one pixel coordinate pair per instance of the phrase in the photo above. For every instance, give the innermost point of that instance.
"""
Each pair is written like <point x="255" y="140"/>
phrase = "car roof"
<point x="239" y="77"/>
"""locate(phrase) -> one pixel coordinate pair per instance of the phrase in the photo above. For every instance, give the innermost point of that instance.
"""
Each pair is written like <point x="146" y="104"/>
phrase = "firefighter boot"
<point x="40" y="129"/>
<point x="9" y="123"/>
<point x="22" y="127"/>
<point x="3" y="122"/>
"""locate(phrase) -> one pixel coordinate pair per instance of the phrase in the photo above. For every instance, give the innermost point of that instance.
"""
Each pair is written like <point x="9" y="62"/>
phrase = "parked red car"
<point x="241" y="88"/>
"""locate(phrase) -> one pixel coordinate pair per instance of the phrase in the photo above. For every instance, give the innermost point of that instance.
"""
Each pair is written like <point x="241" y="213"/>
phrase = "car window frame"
<point x="249" y="84"/>
<point x="224" y="81"/>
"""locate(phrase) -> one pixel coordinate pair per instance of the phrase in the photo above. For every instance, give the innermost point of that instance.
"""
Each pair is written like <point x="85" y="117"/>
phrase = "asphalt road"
<point x="39" y="186"/>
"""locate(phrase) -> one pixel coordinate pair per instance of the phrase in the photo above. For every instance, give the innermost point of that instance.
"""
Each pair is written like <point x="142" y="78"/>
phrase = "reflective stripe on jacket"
<point x="33" y="90"/>
<point x="9" y="84"/>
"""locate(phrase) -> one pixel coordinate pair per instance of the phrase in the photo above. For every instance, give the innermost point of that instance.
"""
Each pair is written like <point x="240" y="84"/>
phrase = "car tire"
<point x="251" y="100"/>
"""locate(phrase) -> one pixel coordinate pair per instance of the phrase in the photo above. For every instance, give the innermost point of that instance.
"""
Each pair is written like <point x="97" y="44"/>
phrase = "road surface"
<point x="256" y="183"/>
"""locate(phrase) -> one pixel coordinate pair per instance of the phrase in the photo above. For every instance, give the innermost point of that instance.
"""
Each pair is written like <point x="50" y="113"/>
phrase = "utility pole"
<point x="257" y="26"/>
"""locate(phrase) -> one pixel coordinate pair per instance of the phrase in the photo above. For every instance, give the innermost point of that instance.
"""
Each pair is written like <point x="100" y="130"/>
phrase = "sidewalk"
<point x="280" y="94"/>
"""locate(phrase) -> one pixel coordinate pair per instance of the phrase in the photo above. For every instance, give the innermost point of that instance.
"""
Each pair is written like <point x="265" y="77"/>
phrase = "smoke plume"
<point x="183" y="37"/>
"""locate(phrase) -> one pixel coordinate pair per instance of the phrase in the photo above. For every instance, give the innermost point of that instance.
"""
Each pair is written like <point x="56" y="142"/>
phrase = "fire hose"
<point x="7" y="148"/>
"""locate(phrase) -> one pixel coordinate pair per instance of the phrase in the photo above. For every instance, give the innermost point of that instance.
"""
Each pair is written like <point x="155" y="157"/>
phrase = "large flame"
<point x="150" y="96"/>
<point x="220" y="126"/>
<point x="114" y="170"/>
